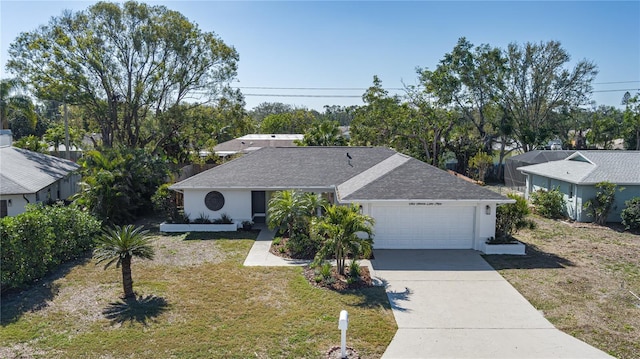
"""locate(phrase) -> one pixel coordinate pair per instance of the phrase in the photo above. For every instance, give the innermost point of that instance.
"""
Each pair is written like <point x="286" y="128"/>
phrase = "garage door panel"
<point x="423" y="227"/>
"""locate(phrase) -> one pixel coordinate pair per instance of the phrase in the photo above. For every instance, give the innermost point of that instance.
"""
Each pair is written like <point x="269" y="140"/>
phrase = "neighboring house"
<point x="515" y="179"/>
<point x="577" y="175"/>
<point x="415" y="205"/>
<point x="249" y="143"/>
<point x="31" y="177"/>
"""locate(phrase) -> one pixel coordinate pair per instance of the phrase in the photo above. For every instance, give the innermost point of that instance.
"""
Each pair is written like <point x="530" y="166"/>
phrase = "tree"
<point x="341" y="114"/>
<point x="55" y="136"/>
<point x="15" y="106"/>
<point x="32" y="143"/>
<point x="286" y="208"/>
<point x="468" y="79"/>
<point x="631" y="123"/>
<point x="376" y="123"/>
<point x="323" y="133"/>
<point x="123" y="63"/>
<point x="117" y="185"/>
<point x="605" y="127"/>
<point x="601" y="204"/>
<point x="298" y="121"/>
<point x="427" y="128"/>
<point x="339" y="229"/>
<point x="119" y="245"/>
<point x="481" y="162"/>
<point x="511" y="218"/>
<point x="538" y="85"/>
<point x="265" y="109"/>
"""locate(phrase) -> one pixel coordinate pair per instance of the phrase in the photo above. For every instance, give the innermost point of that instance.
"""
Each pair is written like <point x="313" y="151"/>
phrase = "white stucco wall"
<point x="237" y="204"/>
<point x="485" y="224"/>
<point x="60" y="190"/>
<point x="16" y="203"/>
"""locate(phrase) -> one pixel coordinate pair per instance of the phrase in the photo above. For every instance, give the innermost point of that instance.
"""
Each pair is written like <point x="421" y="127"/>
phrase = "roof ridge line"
<point x="371" y="174"/>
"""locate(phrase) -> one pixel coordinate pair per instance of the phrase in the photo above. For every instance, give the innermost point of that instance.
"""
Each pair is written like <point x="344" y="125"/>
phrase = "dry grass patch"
<point x="580" y="275"/>
<point x="196" y="300"/>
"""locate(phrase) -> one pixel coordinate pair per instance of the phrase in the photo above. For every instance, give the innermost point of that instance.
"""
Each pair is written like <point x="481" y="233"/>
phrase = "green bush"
<point x="631" y="214"/>
<point x="511" y="217"/>
<point x="118" y="184"/>
<point x="549" y="204"/>
<point x="165" y="202"/>
<point x="354" y="269"/>
<point x="35" y="242"/>
<point x="302" y="246"/>
<point x="600" y="206"/>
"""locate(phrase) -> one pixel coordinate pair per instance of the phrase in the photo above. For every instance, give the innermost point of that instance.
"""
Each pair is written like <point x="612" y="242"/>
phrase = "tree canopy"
<point x="123" y="63"/>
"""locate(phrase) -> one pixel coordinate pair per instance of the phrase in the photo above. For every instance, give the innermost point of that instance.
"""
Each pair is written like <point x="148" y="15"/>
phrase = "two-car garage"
<point x="420" y="225"/>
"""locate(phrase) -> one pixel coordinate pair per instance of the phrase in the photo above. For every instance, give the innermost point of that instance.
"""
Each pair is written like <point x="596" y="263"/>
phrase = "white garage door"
<point x="418" y="227"/>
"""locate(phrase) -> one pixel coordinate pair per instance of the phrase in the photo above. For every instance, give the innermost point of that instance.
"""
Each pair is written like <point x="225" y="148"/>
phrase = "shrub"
<point x="302" y="246"/>
<point x="548" y="204"/>
<point x="600" y="206"/>
<point x="118" y="183"/>
<point x="36" y="241"/>
<point x="325" y="270"/>
<point x="354" y="269"/>
<point x="631" y="214"/>
<point x="165" y="202"/>
<point x="510" y="218"/>
<point x="203" y="218"/>
<point x="224" y="219"/>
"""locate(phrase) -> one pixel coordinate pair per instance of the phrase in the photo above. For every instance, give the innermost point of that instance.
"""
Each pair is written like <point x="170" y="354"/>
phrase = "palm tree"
<point x="325" y="133"/>
<point x="286" y="208"/>
<point x="340" y="227"/>
<point x="15" y="105"/>
<point x="119" y="245"/>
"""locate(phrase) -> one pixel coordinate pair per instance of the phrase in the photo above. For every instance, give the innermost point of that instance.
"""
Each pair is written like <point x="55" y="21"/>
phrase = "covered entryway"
<point x="423" y="226"/>
<point x="258" y="206"/>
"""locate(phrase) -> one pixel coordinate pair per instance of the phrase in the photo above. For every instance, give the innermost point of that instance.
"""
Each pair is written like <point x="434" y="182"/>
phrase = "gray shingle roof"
<point x="23" y="171"/>
<point x="372" y="173"/>
<point x="591" y="167"/>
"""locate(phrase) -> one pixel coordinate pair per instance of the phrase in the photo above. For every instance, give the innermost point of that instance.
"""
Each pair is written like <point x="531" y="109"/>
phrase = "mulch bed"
<point x="339" y="282"/>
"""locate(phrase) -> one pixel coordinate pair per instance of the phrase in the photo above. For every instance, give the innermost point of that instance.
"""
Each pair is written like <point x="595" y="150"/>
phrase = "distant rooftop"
<point x="252" y="142"/>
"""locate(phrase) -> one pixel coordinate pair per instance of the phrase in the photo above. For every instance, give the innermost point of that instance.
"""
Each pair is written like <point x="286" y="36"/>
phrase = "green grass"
<point x="581" y="277"/>
<point x="209" y="310"/>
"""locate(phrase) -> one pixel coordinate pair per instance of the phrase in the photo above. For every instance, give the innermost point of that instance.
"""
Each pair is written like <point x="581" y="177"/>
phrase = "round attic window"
<point x="214" y="200"/>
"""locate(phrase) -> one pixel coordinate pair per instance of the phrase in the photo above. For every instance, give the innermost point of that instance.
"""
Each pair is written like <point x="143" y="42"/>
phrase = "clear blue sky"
<point x="300" y="44"/>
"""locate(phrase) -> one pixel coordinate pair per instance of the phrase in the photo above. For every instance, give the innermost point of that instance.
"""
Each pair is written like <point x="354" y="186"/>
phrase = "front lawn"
<point x="196" y="301"/>
<point x="581" y="276"/>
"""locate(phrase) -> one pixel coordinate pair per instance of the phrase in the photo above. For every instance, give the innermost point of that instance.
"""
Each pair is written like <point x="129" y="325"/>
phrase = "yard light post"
<point x="343" y="323"/>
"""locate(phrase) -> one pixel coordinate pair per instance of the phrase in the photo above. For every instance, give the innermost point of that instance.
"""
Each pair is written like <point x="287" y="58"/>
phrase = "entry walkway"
<point x="259" y="254"/>
<point x="453" y="304"/>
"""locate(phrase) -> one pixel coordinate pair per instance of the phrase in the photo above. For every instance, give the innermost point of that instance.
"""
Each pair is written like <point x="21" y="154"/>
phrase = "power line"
<point x="290" y="95"/>
<point x="619" y="90"/>
<point x="386" y="88"/>
<point x="360" y="96"/>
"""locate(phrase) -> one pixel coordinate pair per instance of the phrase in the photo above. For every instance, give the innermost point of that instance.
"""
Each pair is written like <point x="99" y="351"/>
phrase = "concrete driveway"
<point x="453" y="304"/>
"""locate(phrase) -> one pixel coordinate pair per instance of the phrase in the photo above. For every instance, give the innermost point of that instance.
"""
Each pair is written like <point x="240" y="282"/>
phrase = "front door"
<point x="258" y="206"/>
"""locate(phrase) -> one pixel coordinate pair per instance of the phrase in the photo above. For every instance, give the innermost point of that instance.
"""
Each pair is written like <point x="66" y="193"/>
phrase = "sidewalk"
<point x="259" y="255"/>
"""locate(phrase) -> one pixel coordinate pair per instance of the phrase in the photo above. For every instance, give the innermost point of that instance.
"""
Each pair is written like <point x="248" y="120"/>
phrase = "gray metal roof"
<point x="591" y="167"/>
<point x="371" y="173"/>
<point x="23" y="171"/>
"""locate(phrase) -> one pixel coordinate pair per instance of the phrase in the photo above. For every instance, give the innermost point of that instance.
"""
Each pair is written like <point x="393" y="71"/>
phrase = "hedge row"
<point x="35" y="242"/>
